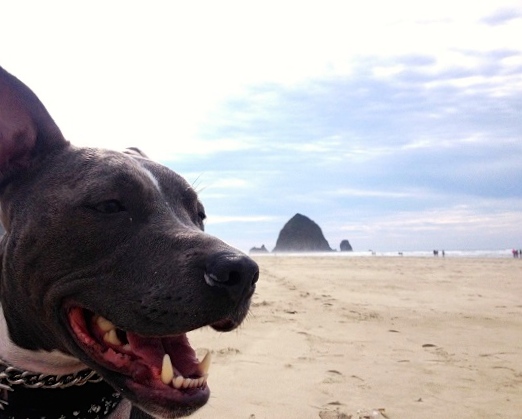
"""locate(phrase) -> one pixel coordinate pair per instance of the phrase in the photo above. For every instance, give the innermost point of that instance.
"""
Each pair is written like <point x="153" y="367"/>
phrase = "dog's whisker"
<point x="194" y="183"/>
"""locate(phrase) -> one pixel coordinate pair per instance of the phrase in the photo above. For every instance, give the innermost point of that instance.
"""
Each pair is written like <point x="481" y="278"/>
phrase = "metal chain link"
<point x="13" y="376"/>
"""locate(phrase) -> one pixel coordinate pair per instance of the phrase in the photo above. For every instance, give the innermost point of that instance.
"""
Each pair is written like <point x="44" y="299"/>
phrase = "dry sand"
<point x="341" y="337"/>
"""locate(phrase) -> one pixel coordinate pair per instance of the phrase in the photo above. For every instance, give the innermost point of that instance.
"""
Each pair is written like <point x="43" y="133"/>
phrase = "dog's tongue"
<point x="152" y="350"/>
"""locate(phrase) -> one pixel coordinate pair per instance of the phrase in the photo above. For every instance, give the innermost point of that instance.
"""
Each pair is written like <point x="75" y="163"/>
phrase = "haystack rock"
<point x="345" y="246"/>
<point x="300" y="234"/>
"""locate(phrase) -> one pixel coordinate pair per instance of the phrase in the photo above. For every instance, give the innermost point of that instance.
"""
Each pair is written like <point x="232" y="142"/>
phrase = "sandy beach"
<point x="373" y="337"/>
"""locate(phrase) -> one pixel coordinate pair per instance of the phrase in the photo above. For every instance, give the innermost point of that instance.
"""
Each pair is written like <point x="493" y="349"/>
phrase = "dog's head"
<point x="105" y="258"/>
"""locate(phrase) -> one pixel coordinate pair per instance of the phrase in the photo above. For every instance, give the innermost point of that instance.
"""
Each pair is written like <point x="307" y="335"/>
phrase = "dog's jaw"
<point x="159" y="374"/>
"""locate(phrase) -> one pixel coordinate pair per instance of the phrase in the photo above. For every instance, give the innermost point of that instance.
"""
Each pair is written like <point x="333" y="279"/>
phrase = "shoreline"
<point x="502" y="254"/>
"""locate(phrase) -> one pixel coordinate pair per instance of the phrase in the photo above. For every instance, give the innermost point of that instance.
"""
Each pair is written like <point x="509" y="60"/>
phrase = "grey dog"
<point x="105" y="267"/>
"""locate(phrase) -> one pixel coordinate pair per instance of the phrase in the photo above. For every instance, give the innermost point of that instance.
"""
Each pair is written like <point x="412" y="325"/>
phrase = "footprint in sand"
<point x="333" y="414"/>
<point x="333" y="377"/>
<point x="361" y="414"/>
<point x="263" y="303"/>
<point x="219" y="353"/>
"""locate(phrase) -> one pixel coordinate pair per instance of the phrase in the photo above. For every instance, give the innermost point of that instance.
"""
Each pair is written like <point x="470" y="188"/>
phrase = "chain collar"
<point x="11" y="376"/>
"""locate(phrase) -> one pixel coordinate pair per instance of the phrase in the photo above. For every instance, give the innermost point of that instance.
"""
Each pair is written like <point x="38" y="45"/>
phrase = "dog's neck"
<point x="53" y="363"/>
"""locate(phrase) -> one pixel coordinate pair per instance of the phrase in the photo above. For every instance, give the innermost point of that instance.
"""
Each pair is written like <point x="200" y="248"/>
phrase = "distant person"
<point x="443" y="253"/>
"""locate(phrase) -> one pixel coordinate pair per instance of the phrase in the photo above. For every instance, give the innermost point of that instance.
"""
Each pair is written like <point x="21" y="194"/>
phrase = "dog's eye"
<point x="109" y="207"/>
<point x="201" y="220"/>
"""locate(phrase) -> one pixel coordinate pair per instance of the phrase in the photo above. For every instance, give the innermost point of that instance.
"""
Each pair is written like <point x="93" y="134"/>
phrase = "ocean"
<point x="506" y="253"/>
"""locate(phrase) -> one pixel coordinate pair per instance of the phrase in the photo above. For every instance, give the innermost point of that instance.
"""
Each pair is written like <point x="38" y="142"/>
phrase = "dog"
<point x="105" y="267"/>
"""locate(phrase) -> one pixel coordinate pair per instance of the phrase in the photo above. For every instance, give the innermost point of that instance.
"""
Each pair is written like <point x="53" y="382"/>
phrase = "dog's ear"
<point x="26" y="128"/>
<point x="135" y="151"/>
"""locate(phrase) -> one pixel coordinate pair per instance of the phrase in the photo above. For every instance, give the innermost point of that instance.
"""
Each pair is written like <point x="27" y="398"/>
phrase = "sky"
<point x="395" y="125"/>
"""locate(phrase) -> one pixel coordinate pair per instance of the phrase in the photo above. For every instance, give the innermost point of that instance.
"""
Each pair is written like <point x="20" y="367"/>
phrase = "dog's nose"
<point x="235" y="272"/>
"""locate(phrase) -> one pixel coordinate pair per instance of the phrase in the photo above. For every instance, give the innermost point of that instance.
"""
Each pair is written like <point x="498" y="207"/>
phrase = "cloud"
<point x="228" y="183"/>
<point x="358" y="118"/>
<point x="460" y="226"/>
<point x="502" y="16"/>
<point x="223" y="219"/>
<point x="354" y="192"/>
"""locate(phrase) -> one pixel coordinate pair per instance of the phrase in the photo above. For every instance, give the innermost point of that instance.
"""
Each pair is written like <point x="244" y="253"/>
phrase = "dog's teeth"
<point x="104" y="324"/>
<point x="167" y="372"/>
<point x="178" y="381"/>
<point x="181" y="382"/>
<point x="111" y="337"/>
<point x="204" y="365"/>
<point x="172" y="376"/>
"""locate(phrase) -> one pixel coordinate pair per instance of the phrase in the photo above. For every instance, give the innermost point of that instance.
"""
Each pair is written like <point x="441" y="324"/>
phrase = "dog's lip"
<point x="135" y="365"/>
<point x="224" y="325"/>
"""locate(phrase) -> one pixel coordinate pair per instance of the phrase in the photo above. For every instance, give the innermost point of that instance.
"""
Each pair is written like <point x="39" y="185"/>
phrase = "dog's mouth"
<point x="157" y="371"/>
